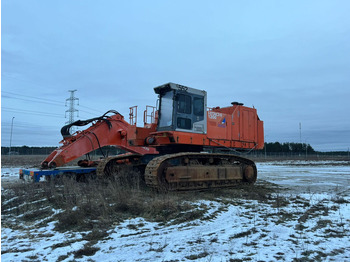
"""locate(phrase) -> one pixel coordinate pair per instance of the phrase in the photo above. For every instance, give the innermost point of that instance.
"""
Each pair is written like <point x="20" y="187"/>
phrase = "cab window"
<point x="198" y="106"/>
<point x="184" y="123"/>
<point x="166" y="109"/>
<point x="184" y="104"/>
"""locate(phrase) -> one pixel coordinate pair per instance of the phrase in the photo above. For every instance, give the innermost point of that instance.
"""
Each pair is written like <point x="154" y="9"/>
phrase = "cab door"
<point x="189" y="113"/>
<point x="183" y="108"/>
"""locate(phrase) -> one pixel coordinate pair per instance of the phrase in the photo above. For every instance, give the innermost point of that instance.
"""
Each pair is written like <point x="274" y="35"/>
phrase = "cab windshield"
<point x="166" y="110"/>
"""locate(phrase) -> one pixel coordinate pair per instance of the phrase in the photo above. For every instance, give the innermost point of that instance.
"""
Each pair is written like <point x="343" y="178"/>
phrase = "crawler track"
<point x="125" y="168"/>
<point x="195" y="171"/>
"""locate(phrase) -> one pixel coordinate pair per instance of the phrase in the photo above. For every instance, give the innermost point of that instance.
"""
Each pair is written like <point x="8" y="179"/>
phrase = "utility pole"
<point x="11" y="136"/>
<point x="71" y="100"/>
<point x="300" y="131"/>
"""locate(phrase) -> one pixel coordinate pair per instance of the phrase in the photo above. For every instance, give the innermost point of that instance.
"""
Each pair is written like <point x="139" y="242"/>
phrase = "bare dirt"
<point x="22" y="160"/>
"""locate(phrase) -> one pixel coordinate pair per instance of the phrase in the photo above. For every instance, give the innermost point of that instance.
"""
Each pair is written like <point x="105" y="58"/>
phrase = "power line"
<point x="29" y="100"/>
<point x="91" y="109"/>
<point x="26" y="124"/>
<point x="40" y="98"/>
<point x="48" y="101"/>
<point x="90" y="113"/>
<point x="30" y="112"/>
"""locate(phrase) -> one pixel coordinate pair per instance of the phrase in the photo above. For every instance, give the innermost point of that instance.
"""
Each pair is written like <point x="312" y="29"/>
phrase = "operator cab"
<point x="181" y="108"/>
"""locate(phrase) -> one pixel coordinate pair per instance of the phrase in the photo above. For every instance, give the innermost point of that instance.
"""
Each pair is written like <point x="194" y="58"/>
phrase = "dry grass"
<point x="97" y="205"/>
<point x="22" y="160"/>
<point x="28" y="160"/>
<point x="93" y="206"/>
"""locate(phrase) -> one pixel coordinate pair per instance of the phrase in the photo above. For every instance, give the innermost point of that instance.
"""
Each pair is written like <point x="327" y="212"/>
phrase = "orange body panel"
<point x="236" y="123"/>
<point x="234" y="127"/>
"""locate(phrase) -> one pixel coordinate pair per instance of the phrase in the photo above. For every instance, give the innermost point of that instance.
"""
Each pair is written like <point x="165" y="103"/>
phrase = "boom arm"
<point x="107" y="130"/>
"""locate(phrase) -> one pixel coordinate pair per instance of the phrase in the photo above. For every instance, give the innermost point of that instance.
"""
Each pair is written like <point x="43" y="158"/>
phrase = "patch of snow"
<point x="306" y="178"/>
<point x="314" y="223"/>
<point x="240" y="232"/>
<point x="10" y="172"/>
<point x="18" y="245"/>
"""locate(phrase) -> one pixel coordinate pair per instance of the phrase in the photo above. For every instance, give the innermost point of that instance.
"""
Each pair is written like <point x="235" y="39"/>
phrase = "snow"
<point x="37" y="242"/>
<point x="215" y="237"/>
<point x="10" y="173"/>
<point x="306" y="175"/>
<point x="230" y="229"/>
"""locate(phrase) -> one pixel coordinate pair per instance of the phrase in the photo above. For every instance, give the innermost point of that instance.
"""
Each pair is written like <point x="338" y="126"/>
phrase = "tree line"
<point x="271" y="147"/>
<point x="34" y="150"/>
<point x="288" y="147"/>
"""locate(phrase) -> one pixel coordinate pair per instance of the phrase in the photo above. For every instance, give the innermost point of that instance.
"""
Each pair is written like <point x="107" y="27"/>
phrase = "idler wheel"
<point x="163" y="183"/>
<point x="249" y="174"/>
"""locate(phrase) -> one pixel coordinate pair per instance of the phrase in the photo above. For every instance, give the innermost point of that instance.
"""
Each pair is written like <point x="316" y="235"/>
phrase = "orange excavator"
<point x="183" y="145"/>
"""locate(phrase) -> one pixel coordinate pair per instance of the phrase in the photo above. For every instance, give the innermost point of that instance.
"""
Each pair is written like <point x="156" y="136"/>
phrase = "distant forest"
<point x="295" y="149"/>
<point x="288" y="147"/>
<point x="272" y="147"/>
<point x="26" y="150"/>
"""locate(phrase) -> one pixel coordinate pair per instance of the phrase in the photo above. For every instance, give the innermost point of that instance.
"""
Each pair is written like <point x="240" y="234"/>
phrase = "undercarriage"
<point x="181" y="171"/>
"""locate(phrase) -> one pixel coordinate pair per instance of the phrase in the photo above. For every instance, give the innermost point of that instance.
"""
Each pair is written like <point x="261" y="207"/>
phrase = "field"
<point x="297" y="211"/>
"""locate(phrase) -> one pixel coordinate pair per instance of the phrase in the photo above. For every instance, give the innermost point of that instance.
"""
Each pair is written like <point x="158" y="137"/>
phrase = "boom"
<point x="105" y="131"/>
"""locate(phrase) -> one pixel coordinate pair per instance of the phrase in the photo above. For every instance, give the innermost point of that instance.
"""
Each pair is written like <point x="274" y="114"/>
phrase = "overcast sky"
<point x="288" y="59"/>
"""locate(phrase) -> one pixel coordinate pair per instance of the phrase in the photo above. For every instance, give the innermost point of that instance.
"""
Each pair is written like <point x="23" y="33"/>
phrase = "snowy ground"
<point x="307" y="176"/>
<point x="307" y="220"/>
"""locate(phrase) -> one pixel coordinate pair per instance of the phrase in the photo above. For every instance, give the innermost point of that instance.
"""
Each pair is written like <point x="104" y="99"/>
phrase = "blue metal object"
<point x="36" y="174"/>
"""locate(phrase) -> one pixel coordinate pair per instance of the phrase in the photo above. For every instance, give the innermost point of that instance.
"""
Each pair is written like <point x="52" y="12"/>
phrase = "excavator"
<point x="183" y="145"/>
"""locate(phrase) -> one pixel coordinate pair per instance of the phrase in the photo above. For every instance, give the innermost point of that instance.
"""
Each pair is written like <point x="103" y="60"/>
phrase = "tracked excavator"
<point x="183" y="145"/>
